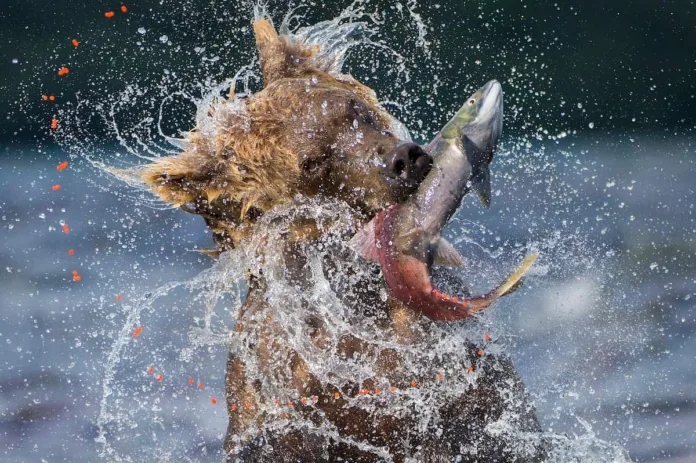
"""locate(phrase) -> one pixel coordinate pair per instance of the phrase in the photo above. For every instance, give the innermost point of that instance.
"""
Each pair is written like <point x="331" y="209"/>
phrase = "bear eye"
<point x="472" y="101"/>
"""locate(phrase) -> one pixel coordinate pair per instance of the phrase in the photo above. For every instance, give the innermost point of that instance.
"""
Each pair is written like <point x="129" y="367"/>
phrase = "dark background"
<point x="630" y="64"/>
<point x="603" y="330"/>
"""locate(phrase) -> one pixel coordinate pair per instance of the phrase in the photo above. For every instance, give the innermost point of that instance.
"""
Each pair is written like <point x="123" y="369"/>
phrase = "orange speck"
<point x="109" y="14"/>
<point x="455" y="299"/>
<point x="75" y="272"/>
<point x="413" y="384"/>
<point x="62" y="165"/>
<point x="124" y="9"/>
<point x="276" y="401"/>
<point x="119" y="297"/>
<point x="234" y="406"/>
<point x="75" y="42"/>
<point x="361" y="392"/>
<point x="190" y="380"/>
<point x="392" y="389"/>
<point x="247" y="406"/>
<point x="213" y="401"/>
<point x="137" y="331"/>
<point x="289" y="403"/>
<point x="200" y="386"/>
<point x="54" y="123"/>
<point x="44" y="97"/>
<point x="303" y="400"/>
<point x="159" y="377"/>
<point x="55" y="187"/>
<point x="336" y="395"/>
<point x="480" y="353"/>
<point x="486" y="337"/>
<point x="440" y="376"/>
<point x="76" y="278"/>
<point x="378" y="391"/>
<point x="63" y="71"/>
<point x="52" y="98"/>
<point x="465" y="303"/>
<point x="446" y="297"/>
<point x="66" y="230"/>
<point x="150" y="370"/>
<point x="470" y="369"/>
<point x="71" y="252"/>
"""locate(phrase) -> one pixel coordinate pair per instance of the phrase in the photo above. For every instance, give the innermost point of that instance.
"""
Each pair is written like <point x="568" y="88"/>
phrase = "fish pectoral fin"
<point x="446" y="255"/>
<point x="481" y="183"/>
<point x="408" y="239"/>
<point x="365" y="243"/>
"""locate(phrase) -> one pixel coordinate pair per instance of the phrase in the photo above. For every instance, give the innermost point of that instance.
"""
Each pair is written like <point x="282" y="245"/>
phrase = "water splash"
<point x="137" y="119"/>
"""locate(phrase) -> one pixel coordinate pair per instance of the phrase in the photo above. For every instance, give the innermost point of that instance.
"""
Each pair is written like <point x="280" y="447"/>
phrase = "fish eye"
<point x="472" y="101"/>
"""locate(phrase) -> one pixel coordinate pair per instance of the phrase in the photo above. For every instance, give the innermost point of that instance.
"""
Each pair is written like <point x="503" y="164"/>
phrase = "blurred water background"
<point x="596" y="172"/>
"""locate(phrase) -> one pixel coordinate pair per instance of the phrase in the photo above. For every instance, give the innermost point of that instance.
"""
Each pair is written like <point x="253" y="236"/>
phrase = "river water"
<point x="603" y="331"/>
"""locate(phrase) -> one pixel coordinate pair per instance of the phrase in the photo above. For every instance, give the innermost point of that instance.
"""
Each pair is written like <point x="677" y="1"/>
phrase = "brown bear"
<point x="339" y="370"/>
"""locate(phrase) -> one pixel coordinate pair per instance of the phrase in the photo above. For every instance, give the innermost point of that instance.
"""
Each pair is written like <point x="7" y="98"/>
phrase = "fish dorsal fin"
<point x="446" y="255"/>
<point x="365" y="243"/>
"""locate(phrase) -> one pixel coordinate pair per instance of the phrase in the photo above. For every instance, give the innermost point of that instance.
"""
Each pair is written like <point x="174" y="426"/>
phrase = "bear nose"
<point x="406" y="167"/>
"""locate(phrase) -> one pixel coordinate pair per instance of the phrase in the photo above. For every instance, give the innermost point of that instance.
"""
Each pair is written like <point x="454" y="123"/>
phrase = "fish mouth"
<point x="487" y="127"/>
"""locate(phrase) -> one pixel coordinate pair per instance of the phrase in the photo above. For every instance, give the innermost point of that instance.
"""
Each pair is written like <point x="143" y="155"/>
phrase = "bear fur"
<point x="316" y="135"/>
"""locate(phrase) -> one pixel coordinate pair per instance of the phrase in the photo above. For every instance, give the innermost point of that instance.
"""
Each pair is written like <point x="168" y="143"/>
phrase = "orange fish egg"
<point x="470" y="369"/>
<point x="137" y="332"/>
<point x="119" y="297"/>
<point x="247" y="406"/>
<point x="480" y="353"/>
<point x="76" y="278"/>
<point x="289" y="403"/>
<point x="54" y="123"/>
<point x="52" y="98"/>
<point x="336" y="395"/>
<point x="124" y="9"/>
<point x="66" y="230"/>
<point x="75" y="42"/>
<point x="200" y="386"/>
<point x="213" y="401"/>
<point x="63" y="71"/>
<point x="159" y="377"/>
<point x="74" y="272"/>
<point x="71" y="252"/>
<point x="190" y="380"/>
<point x="392" y="389"/>
<point x="234" y="406"/>
<point x="109" y="14"/>
<point x="486" y="337"/>
<point x="378" y="391"/>
<point x="150" y="370"/>
<point x="303" y="400"/>
<point x="55" y="187"/>
<point x="413" y="384"/>
<point x="44" y="97"/>
<point x="276" y="401"/>
<point x="62" y="165"/>
<point x="440" y="376"/>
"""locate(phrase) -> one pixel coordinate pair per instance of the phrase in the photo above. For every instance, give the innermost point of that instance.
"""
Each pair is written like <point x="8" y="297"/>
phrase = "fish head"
<point x="476" y="130"/>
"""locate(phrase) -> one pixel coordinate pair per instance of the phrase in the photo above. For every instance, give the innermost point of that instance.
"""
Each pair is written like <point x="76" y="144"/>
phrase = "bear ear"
<point x="175" y="179"/>
<point x="280" y="56"/>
